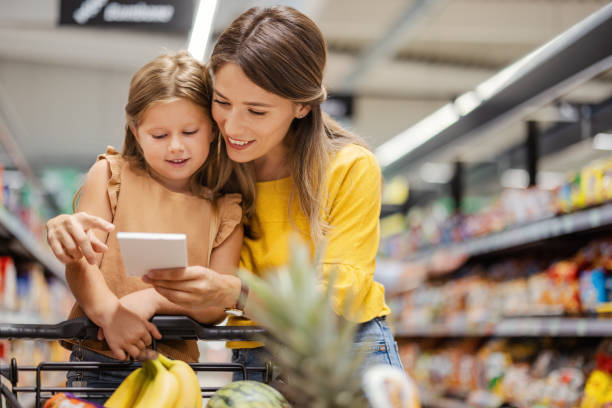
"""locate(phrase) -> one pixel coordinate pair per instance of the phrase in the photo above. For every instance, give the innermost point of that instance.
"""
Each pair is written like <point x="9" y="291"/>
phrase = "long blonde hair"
<point x="283" y="51"/>
<point x="178" y="75"/>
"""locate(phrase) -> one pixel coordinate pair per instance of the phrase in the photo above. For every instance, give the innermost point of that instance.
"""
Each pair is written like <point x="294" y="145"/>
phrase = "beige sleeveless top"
<point x="141" y="204"/>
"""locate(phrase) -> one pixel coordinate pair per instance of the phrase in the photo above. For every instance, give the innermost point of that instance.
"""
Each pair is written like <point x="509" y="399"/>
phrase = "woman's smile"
<point x="239" y="144"/>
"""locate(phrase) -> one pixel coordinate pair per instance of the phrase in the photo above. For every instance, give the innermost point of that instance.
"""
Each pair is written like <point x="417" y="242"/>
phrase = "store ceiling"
<point x="62" y="89"/>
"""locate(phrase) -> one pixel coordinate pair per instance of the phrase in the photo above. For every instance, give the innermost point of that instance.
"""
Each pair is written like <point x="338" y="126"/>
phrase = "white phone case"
<point x="143" y="251"/>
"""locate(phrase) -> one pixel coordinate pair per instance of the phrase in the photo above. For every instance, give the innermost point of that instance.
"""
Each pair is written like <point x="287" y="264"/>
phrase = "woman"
<point x="313" y="177"/>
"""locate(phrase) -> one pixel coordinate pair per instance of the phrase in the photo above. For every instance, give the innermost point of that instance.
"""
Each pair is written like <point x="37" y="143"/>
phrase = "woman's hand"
<point x="71" y="236"/>
<point x="126" y="332"/>
<point x="195" y="287"/>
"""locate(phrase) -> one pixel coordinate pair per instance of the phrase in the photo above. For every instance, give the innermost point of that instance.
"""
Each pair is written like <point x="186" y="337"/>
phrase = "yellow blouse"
<point x="351" y="209"/>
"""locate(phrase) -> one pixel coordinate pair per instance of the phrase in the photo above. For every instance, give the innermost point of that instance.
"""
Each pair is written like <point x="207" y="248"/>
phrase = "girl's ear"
<point x="302" y="110"/>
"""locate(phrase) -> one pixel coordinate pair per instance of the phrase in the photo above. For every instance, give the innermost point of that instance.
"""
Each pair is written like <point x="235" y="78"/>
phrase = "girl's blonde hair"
<point x="283" y="51"/>
<point x="179" y="75"/>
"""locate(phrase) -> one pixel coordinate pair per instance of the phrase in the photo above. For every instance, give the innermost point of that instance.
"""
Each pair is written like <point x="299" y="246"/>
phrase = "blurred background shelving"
<point x="492" y="121"/>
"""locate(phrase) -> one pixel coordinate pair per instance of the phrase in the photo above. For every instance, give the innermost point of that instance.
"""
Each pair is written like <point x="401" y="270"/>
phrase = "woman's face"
<point x="253" y="121"/>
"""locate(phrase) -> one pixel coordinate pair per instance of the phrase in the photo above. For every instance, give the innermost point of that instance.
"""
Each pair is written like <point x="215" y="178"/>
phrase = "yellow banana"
<point x="162" y="389"/>
<point x="125" y="395"/>
<point x="190" y="395"/>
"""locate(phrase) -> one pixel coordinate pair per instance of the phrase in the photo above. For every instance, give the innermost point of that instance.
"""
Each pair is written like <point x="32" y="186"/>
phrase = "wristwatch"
<point x="238" y="309"/>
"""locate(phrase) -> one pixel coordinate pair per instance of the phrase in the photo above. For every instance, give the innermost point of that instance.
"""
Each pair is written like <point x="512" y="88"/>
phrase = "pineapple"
<point x="309" y="343"/>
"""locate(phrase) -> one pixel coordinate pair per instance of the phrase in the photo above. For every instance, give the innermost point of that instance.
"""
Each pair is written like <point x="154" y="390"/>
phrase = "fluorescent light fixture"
<point x="202" y="27"/>
<point x="436" y="173"/>
<point x="416" y="135"/>
<point x="411" y="138"/>
<point x="515" y="178"/>
<point x="602" y="141"/>
<point x="467" y="102"/>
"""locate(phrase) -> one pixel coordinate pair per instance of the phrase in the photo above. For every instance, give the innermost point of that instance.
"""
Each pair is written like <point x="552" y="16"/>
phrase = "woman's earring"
<point x="219" y="146"/>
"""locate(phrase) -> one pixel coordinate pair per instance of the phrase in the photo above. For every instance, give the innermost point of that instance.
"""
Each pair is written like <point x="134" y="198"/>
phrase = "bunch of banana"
<point x="159" y="383"/>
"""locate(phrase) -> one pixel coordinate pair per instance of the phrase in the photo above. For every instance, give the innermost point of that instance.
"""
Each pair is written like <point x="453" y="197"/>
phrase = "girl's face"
<point x="175" y="138"/>
<point x="252" y="121"/>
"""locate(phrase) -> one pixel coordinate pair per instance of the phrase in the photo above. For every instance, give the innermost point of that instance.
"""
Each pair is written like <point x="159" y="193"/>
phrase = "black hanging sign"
<point x="158" y="15"/>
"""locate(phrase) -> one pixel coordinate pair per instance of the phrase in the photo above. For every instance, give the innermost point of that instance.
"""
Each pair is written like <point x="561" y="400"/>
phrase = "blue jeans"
<point x="94" y="378"/>
<point x="373" y="337"/>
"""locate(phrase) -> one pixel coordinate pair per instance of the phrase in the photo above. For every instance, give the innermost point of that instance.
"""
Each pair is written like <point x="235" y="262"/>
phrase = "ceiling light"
<point x="413" y="137"/>
<point x="515" y="178"/>
<point x="467" y="102"/>
<point x="202" y="27"/>
<point x="416" y="135"/>
<point x="436" y="173"/>
<point x="602" y="141"/>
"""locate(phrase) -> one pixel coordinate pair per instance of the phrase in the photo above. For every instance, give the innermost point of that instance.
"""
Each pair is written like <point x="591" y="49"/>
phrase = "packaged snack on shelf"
<point x="606" y="180"/>
<point x="8" y="283"/>
<point x="596" y="389"/>
<point x="594" y="286"/>
<point x="565" y="285"/>
<point x="591" y="184"/>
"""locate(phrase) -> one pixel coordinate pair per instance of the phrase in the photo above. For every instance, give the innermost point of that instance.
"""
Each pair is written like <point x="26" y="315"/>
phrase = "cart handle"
<point x="170" y="327"/>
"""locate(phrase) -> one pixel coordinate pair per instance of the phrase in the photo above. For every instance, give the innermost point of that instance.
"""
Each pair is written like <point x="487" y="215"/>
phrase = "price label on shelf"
<point x="581" y="327"/>
<point x="554" y="327"/>
<point x="595" y="218"/>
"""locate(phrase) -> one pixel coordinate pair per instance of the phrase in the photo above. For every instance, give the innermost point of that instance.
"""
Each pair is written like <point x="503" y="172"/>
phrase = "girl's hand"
<point x="195" y="287"/>
<point x="127" y="333"/>
<point x="71" y="236"/>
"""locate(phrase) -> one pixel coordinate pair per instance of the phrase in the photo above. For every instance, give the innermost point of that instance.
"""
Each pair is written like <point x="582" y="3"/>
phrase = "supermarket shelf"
<point x="530" y="233"/>
<point x="24" y="243"/>
<point x="429" y="400"/>
<point x="444" y="403"/>
<point x="20" y="318"/>
<point x="519" y="327"/>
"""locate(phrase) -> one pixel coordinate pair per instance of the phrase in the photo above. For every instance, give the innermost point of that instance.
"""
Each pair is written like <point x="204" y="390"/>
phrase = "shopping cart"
<point x="171" y="328"/>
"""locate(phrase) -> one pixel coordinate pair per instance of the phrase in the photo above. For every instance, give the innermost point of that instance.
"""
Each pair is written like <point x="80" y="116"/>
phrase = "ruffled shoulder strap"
<point x="115" y="160"/>
<point x="229" y="216"/>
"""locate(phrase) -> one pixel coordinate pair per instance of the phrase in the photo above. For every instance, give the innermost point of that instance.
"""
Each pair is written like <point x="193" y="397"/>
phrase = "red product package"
<point x="65" y="400"/>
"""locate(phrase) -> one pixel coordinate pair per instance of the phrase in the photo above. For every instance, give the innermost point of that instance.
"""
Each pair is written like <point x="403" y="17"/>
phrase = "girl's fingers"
<point x="69" y="246"/>
<point x="133" y="351"/>
<point x="58" y="250"/>
<point x="119" y="354"/>
<point x="146" y="337"/>
<point x="92" y="222"/>
<point x="75" y="229"/>
<point x="154" y="331"/>
<point x="97" y="245"/>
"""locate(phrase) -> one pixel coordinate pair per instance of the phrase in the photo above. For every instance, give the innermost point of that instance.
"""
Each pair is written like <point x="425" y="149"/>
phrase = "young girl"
<point x="161" y="182"/>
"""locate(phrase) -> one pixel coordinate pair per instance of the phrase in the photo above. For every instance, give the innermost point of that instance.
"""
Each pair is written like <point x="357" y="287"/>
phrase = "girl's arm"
<point x="199" y="292"/>
<point x="124" y="331"/>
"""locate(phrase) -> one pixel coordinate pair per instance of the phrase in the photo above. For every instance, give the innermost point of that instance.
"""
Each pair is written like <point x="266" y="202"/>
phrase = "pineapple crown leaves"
<point x="310" y="343"/>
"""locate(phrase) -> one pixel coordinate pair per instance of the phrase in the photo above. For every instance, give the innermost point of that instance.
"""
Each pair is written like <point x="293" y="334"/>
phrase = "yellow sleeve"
<point x="352" y="212"/>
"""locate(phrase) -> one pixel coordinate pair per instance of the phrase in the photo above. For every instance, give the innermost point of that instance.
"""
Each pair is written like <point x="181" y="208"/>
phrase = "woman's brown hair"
<point x="179" y="75"/>
<point x="283" y="51"/>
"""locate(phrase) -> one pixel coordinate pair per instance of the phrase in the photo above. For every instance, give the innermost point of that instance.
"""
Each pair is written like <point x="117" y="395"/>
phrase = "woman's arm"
<point x="351" y="243"/>
<point x="199" y="292"/>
